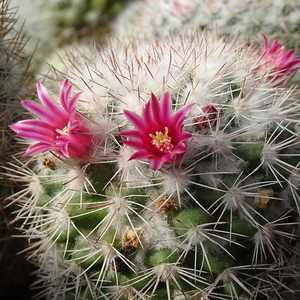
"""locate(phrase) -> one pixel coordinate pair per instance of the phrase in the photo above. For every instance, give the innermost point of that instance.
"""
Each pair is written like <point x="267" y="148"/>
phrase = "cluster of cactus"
<point x="13" y="77"/>
<point x="140" y="18"/>
<point x="71" y="17"/>
<point x="50" y="24"/>
<point x="173" y="174"/>
<point x="14" y="84"/>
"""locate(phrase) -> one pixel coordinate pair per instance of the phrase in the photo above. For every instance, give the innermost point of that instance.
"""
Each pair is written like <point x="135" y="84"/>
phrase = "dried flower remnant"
<point x="278" y="63"/>
<point x="58" y="129"/>
<point x="165" y="204"/>
<point x="49" y="164"/>
<point x="159" y="136"/>
<point x="263" y="200"/>
<point x="132" y="238"/>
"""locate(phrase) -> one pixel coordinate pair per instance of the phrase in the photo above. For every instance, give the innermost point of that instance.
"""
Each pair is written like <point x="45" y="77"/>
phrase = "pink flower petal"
<point x="136" y="144"/>
<point x="184" y="136"/>
<point x="147" y="115"/>
<point x="72" y="103"/>
<point x="65" y="149"/>
<point x="36" y="148"/>
<point x="168" y="157"/>
<point x="65" y="92"/>
<point x="141" y="154"/>
<point x="43" y="113"/>
<point x="36" y="137"/>
<point x="166" y="107"/>
<point x="182" y="112"/>
<point x="130" y="133"/>
<point x="155" y="109"/>
<point x="36" y="126"/>
<point x="49" y="104"/>
<point x="136" y="120"/>
<point x="64" y="95"/>
<point x="180" y="148"/>
<point x="156" y="163"/>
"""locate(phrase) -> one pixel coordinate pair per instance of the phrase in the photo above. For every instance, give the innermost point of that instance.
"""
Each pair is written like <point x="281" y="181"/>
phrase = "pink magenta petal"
<point x="136" y="120"/>
<point x="21" y="125"/>
<point x="78" y="150"/>
<point x="184" y="136"/>
<point x="155" y="109"/>
<point x="156" y="163"/>
<point x="168" y="157"/>
<point x="35" y="126"/>
<point x="166" y="107"/>
<point x="180" y="148"/>
<point x="49" y="104"/>
<point x="140" y="155"/>
<point x="130" y="133"/>
<point x="43" y="113"/>
<point x="65" y="92"/>
<point x="73" y="102"/>
<point x="136" y="144"/>
<point x="36" y="148"/>
<point x="147" y="114"/>
<point x="36" y="137"/>
<point x="182" y="112"/>
<point x="64" y="95"/>
<point x="289" y="54"/>
<point x="65" y="149"/>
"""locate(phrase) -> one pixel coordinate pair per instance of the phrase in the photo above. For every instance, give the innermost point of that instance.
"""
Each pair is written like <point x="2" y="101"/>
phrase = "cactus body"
<point x="207" y="209"/>
<point x="14" y="85"/>
<point x="145" y="17"/>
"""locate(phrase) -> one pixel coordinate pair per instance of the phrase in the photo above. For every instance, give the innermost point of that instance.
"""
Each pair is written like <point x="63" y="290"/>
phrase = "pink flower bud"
<point x="208" y="119"/>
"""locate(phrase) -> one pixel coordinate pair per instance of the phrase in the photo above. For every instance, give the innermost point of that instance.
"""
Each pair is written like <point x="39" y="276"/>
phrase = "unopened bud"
<point x="208" y="119"/>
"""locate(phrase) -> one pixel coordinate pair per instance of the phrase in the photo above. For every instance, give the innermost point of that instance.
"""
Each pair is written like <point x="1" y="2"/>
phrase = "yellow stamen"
<point x="162" y="141"/>
<point x="64" y="131"/>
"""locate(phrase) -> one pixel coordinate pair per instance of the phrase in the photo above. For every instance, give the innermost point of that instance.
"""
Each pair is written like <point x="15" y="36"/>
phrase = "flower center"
<point x="162" y="141"/>
<point x="65" y="130"/>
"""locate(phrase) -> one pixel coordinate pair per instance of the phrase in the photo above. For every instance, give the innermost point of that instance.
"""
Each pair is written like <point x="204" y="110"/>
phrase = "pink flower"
<point x="58" y="128"/>
<point x="277" y="62"/>
<point x="159" y="136"/>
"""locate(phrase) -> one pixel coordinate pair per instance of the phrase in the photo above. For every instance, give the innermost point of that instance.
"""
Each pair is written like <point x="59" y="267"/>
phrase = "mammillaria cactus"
<point x="143" y="17"/>
<point x="77" y="17"/>
<point x="51" y="24"/>
<point x="14" y="76"/>
<point x="173" y="174"/>
<point x="15" y="82"/>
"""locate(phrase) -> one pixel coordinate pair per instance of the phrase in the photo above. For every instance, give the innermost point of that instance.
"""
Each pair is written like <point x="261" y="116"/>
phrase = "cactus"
<point x="79" y="17"/>
<point x="143" y="17"/>
<point x="51" y="24"/>
<point x="168" y="169"/>
<point x="14" y="78"/>
<point x="15" y="82"/>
